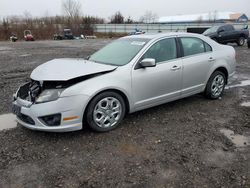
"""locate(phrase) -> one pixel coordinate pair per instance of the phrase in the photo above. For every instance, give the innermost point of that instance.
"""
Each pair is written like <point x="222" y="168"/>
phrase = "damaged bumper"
<point x="67" y="112"/>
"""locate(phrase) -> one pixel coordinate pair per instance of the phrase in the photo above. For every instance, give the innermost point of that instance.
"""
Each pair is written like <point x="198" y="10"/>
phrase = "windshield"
<point x="119" y="52"/>
<point x="211" y="30"/>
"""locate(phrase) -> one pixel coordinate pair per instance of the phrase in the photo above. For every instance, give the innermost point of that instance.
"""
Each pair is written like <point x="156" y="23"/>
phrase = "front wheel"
<point x="215" y="86"/>
<point x="241" y="41"/>
<point x="105" y="112"/>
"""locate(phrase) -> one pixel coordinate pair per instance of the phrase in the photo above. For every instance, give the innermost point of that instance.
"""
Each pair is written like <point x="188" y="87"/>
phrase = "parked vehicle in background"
<point x="66" y="34"/>
<point x="13" y="37"/>
<point x="248" y="42"/>
<point x="28" y="35"/>
<point x="227" y="33"/>
<point x="137" y="32"/>
<point x="130" y="74"/>
<point x="88" y="37"/>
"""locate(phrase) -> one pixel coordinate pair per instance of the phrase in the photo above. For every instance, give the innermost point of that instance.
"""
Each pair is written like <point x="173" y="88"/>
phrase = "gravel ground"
<point x="179" y="144"/>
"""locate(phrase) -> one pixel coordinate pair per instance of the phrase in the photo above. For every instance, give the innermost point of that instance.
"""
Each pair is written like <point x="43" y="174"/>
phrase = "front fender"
<point x="93" y="86"/>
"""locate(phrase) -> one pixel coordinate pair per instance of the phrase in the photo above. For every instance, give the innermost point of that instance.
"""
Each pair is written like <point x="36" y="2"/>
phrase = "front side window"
<point x="119" y="52"/>
<point x="211" y="30"/>
<point x="192" y="46"/>
<point x="163" y="50"/>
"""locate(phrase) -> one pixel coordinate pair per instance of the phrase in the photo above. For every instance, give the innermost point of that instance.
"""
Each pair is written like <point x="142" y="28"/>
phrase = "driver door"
<point x="156" y="85"/>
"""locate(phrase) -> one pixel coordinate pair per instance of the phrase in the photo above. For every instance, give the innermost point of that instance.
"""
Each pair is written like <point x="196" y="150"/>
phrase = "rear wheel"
<point x="215" y="85"/>
<point x="105" y="111"/>
<point x="241" y="41"/>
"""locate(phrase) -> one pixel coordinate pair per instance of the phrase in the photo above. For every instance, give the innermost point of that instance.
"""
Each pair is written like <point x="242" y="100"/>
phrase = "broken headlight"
<point x="49" y="95"/>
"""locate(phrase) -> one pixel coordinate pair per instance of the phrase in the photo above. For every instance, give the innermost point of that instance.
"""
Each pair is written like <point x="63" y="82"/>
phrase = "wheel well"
<point x="127" y="106"/>
<point x="223" y="70"/>
<point x="242" y="35"/>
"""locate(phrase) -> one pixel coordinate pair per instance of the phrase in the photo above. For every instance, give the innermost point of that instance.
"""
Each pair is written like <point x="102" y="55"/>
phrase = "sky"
<point x="133" y="8"/>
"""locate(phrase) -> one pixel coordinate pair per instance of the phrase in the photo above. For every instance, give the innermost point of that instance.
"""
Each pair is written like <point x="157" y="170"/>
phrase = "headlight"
<point x="49" y="95"/>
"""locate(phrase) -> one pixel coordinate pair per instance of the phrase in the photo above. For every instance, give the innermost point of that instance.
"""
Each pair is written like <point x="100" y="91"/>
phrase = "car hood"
<point x="67" y="69"/>
<point x="210" y="35"/>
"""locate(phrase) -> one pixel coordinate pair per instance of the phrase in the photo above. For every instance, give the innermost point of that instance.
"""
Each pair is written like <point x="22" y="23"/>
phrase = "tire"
<point x="105" y="111"/>
<point x="248" y="44"/>
<point x="217" y="81"/>
<point x="241" y="41"/>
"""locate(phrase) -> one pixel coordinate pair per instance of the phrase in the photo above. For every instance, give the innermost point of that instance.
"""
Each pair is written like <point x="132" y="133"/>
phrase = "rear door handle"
<point x="174" y="68"/>
<point x="211" y="59"/>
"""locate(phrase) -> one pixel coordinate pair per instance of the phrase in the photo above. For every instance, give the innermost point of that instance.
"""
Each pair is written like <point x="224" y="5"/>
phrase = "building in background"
<point x="215" y="17"/>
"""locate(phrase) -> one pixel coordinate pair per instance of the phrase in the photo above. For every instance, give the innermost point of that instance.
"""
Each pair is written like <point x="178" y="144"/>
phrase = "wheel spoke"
<point x="112" y="120"/>
<point x="112" y="101"/>
<point x="101" y="120"/>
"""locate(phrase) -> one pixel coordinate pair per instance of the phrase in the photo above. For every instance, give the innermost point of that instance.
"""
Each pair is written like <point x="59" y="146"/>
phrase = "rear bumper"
<point x="73" y="106"/>
<point x="230" y="78"/>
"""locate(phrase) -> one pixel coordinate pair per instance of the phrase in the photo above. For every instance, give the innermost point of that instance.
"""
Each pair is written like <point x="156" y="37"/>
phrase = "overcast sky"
<point x="133" y="8"/>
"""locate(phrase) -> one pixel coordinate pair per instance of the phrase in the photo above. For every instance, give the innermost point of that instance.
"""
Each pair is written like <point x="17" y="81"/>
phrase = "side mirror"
<point x="246" y="27"/>
<point x="148" y="62"/>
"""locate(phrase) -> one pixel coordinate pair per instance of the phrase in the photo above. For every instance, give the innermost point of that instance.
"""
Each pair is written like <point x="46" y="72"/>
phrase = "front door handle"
<point x="174" y="68"/>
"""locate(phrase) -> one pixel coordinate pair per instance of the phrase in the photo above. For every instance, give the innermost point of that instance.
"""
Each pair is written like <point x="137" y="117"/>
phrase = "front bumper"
<point x="72" y="106"/>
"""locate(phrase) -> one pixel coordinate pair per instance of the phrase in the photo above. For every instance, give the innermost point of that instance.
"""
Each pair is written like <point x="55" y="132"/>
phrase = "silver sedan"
<point x="130" y="74"/>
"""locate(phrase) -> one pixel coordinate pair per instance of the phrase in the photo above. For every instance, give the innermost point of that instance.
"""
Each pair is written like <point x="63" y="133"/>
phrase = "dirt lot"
<point x="180" y="144"/>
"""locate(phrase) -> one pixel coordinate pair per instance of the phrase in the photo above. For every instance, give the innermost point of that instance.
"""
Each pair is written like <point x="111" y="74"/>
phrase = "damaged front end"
<point x="29" y="91"/>
<point x="45" y="91"/>
<point x="39" y="104"/>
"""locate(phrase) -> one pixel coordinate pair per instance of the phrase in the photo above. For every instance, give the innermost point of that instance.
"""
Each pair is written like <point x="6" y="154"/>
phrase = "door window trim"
<point x="178" y="51"/>
<point x="188" y="56"/>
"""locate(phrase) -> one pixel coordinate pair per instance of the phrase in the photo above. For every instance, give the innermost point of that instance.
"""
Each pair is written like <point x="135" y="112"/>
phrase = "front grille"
<point x="26" y="119"/>
<point x="29" y="91"/>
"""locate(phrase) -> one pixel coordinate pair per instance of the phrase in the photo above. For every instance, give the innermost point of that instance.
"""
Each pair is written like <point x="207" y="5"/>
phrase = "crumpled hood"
<point x="66" y="69"/>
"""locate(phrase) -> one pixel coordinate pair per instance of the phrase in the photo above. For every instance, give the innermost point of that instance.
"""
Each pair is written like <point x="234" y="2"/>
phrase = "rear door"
<point x="197" y="61"/>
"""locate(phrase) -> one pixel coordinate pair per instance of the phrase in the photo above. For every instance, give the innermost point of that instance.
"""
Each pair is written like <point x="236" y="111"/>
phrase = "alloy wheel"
<point x="217" y="85"/>
<point x="107" y="112"/>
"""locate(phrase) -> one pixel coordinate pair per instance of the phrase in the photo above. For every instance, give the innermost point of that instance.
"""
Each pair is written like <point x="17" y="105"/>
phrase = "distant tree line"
<point x="46" y="26"/>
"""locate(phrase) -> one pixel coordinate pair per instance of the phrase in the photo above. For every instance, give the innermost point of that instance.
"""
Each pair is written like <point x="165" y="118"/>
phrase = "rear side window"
<point x="228" y="28"/>
<point x="192" y="46"/>
<point x="208" y="48"/>
<point x="163" y="50"/>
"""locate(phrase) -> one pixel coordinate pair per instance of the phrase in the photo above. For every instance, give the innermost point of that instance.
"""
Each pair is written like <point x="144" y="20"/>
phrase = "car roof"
<point x="153" y="36"/>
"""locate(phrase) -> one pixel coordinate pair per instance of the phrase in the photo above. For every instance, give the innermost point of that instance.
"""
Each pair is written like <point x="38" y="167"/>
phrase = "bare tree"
<point x="27" y="15"/>
<point x="149" y="17"/>
<point x="210" y="17"/>
<point x="129" y="20"/>
<point x="200" y="19"/>
<point x="72" y="8"/>
<point x="215" y="16"/>
<point x="28" y="18"/>
<point x="117" y="18"/>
